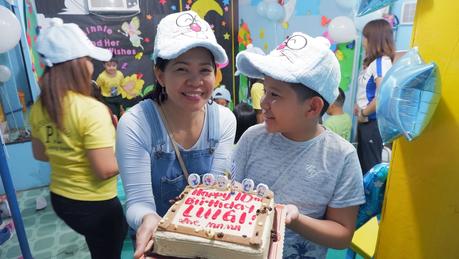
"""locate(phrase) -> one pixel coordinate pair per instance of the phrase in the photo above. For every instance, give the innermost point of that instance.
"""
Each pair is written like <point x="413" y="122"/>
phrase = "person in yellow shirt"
<point x="256" y="92"/>
<point x="74" y="133"/>
<point x="109" y="82"/>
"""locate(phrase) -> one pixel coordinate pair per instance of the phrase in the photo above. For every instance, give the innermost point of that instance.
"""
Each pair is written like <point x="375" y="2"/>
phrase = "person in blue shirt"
<point x="378" y="42"/>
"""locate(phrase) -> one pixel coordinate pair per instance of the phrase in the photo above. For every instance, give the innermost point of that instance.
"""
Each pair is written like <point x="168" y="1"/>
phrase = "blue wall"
<point x="403" y="33"/>
<point x="25" y="171"/>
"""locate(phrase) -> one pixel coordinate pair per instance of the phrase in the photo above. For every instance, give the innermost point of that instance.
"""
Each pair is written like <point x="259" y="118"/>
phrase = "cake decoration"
<point x="247" y="185"/>
<point x="208" y="179"/>
<point x="209" y="220"/>
<point x="194" y="180"/>
<point x="222" y="182"/>
<point x="262" y="189"/>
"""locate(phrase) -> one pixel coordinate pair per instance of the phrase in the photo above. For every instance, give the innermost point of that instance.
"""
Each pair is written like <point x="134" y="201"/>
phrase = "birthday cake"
<point x="220" y="220"/>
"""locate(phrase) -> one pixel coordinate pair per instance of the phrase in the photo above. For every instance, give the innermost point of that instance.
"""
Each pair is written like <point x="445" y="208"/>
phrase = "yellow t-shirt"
<point x="256" y="92"/>
<point x="87" y="125"/>
<point x="110" y="86"/>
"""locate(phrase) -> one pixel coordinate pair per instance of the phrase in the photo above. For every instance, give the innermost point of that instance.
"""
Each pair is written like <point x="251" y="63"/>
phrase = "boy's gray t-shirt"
<point x="313" y="175"/>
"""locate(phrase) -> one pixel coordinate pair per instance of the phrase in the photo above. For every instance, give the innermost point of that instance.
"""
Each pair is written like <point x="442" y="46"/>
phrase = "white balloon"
<point x="346" y="4"/>
<point x="5" y="73"/>
<point x="342" y="29"/>
<point x="361" y="21"/>
<point x="10" y="29"/>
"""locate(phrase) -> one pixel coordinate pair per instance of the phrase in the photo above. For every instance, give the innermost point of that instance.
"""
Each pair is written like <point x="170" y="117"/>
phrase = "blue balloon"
<point x="374" y="184"/>
<point x="368" y="6"/>
<point x="275" y="12"/>
<point x="407" y="97"/>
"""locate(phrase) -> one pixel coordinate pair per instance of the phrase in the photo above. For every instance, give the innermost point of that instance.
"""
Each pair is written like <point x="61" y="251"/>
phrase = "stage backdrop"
<point x="131" y="36"/>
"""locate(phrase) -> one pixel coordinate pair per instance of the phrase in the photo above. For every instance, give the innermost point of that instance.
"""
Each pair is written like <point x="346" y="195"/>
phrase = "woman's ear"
<point x="159" y="75"/>
<point x="316" y="104"/>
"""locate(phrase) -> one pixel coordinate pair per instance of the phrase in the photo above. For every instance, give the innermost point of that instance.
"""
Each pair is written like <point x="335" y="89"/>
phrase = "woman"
<point x="74" y="132"/>
<point x="175" y="130"/>
<point x="378" y="42"/>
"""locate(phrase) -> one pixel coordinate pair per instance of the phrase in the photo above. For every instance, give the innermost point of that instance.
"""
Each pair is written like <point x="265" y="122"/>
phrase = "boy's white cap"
<point x="222" y="93"/>
<point x="62" y="42"/>
<point x="299" y="59"/>
<point x="179" y="32"/>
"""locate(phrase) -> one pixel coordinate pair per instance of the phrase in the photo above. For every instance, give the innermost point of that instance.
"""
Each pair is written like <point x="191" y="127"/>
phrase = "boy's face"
<point x="110" y="67"/>
<point x="282" y="110"/>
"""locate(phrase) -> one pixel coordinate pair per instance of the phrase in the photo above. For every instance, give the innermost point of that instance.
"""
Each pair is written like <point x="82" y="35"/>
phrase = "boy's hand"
<point x="292" y="213"/>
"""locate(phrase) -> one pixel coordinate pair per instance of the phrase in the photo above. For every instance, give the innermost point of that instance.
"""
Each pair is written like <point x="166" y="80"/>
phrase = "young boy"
<point x="222" y="96"/>
<point x="339" y="121"/>
<point x="312" y="170"/>
<point x="109" y="82"/>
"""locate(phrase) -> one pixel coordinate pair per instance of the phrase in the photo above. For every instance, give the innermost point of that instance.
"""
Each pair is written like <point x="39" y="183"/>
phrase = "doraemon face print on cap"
<point x="179" y="32"/>
<point x="300" y="58"/>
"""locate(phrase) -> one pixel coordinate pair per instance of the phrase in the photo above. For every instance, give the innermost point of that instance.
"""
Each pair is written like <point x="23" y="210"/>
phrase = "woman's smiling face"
<point x="189" y="79"/>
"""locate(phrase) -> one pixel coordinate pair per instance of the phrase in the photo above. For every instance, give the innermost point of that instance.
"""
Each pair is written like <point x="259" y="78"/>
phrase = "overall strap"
<point x="213" y="124"/>
<point x="158" y="138"/>
<point x="379" y="67"/>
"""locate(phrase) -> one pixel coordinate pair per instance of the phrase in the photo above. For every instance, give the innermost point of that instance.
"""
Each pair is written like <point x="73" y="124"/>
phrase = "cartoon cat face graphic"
<point x="192" y="26"/>
<point x="292" y="47"/>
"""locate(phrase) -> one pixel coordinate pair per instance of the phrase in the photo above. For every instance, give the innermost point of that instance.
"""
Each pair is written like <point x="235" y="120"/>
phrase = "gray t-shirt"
<point x="313" y="175"/>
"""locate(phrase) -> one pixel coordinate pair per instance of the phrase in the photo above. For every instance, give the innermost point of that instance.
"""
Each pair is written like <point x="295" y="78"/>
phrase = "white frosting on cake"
<point x="221" y="211"/>
<point x="213" y="223"/>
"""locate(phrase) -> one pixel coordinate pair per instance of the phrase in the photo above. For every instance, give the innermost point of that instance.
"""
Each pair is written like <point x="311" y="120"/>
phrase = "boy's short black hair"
<point x="340" y="99"/>
<point x="112" y="60"/>
<point x="246" y="117"/>
<point x="303" y="93"/>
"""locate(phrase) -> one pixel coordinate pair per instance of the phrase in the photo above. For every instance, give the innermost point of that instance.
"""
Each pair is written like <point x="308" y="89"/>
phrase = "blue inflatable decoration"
<point x="368" y="6"/>
<point x="407" y="97"/>
<point x="374" y="183"/>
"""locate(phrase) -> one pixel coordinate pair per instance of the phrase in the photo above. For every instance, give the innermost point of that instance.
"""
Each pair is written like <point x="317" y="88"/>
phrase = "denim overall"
<point x="167" y="178"/>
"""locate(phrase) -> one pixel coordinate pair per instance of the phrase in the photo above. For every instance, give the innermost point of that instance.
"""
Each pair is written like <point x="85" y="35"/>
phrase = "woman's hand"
<point x="292" y="213"/>
<point x="144" y="235"/>
<point x="356" y="110"/>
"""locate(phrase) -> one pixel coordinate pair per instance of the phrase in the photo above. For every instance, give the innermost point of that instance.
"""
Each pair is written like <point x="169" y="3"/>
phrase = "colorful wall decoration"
<point x="131" y="36"/>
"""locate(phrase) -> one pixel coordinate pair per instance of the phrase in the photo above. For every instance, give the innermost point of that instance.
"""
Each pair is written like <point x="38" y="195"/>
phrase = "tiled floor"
<point x="50" y="238"/>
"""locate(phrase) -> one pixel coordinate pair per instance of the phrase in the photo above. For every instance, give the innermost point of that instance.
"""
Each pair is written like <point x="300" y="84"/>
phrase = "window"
<point x="408" y="12"/>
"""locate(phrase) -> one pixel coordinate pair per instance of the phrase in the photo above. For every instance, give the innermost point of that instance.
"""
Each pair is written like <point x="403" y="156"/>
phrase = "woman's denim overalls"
<point x="167" y="178"/>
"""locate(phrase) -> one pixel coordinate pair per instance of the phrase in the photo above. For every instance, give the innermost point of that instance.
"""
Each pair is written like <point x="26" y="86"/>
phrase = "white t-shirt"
<point x="313" y="175"/>
<point x="366" y="90"/>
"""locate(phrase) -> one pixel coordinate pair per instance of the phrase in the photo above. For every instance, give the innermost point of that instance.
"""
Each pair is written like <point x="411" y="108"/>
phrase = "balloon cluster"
<point x="343" y="29"/>
<point x="271" y="9"/>
<point x="407" y="97"/>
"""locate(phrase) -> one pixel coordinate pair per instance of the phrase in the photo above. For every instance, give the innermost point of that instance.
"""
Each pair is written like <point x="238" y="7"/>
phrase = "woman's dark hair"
<point x="380" y="41"/>
<point x="245" y="118"/>
<point x="159" y="94"/>
<point x="60" y="79"/>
